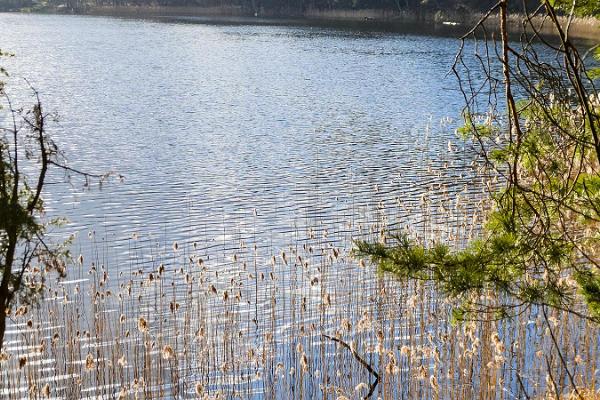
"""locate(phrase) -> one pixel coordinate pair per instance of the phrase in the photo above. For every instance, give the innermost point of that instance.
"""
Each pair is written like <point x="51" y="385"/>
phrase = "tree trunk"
<point x="2" y="323"/>
<point x="6" y="294"/>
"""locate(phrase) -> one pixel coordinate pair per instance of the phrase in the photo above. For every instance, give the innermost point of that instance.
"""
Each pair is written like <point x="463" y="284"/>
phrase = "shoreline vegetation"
<point x="443" y="21"/>
<point x="240" y="315"/>
<point x="300" y="320"/>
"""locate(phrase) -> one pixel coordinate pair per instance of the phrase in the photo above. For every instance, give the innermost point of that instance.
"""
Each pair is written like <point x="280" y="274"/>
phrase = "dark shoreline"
<point x="442" y="23"/>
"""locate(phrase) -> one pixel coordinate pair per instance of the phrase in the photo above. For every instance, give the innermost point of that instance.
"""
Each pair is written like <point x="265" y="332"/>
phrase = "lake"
<point x="252" y="157"/>
<point x="208" y="123"/>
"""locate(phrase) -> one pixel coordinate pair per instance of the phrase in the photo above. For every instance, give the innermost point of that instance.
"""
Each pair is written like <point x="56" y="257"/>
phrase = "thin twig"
<point x="560" y="355"/>
<point x="361" y="360"/>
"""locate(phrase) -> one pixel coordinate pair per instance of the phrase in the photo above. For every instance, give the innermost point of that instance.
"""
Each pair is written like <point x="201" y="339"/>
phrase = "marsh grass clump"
<point x="251" y="318"/>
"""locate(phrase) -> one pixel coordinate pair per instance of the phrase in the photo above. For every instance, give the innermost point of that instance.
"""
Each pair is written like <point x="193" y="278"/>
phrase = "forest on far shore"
<point x="289" y="7"/>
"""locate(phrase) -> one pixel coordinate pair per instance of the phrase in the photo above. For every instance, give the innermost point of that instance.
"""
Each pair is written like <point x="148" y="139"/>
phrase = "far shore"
<point x="378" y="19"/>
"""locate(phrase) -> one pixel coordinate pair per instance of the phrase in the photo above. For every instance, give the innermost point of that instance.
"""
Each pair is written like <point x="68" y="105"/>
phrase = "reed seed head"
<point x="89" y="362"/>
<point x="142" y="325"/>
<point x="168" y="352"/>
<point x="46" y="391"/>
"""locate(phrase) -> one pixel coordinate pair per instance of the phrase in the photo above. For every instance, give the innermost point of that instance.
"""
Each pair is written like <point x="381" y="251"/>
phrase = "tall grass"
<point x="247" y="319"/>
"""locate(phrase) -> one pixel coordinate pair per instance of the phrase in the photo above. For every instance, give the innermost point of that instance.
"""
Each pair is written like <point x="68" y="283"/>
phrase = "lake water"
<point x="262" y="151"/>
<point x="208" y="123"/>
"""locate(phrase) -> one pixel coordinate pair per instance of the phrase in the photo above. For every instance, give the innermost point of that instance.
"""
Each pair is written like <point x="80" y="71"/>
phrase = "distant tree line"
<point x="288" y="7"/>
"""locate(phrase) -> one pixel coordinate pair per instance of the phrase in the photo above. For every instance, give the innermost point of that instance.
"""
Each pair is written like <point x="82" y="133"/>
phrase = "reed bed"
<point x="289" y="316"/>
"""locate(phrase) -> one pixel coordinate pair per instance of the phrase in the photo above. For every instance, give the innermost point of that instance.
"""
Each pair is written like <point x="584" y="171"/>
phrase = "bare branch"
<point x="362" y="362"/>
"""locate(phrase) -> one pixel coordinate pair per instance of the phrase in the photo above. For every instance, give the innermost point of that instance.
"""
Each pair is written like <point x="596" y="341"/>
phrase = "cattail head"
<point x="361" y="386"/>
<point x="200" y="333"/>
<point x="251" y="354"/>
<point x="199" y="389"/>
<point x="142" y="325"/>
<point x="405" y="351"/>
<point x="4" y="357"/>
<point x="89" y="362"/>
<point x="46" y="391"/>
<point x="422" y="372"/>
<point x="304" y="362"/>
<point x="495" y="338"/>
<point x="346" y="324"/>
<point x="122" y="361"/>
<point x="284" y="258"/>
<point x="434" y="383"/>
<point x="500" y="347"/>
<point x="168" y="352"/>
<point x="364" y="323"/>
